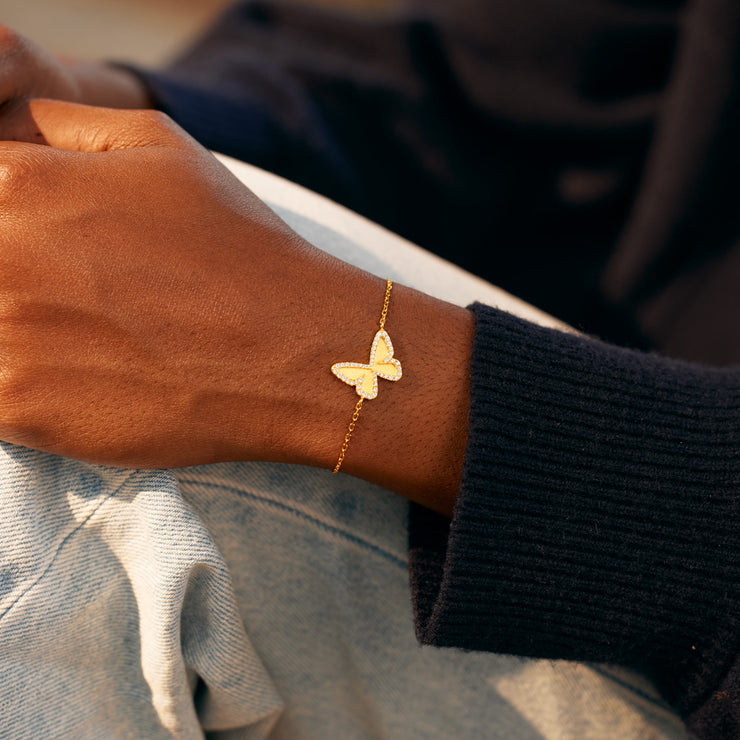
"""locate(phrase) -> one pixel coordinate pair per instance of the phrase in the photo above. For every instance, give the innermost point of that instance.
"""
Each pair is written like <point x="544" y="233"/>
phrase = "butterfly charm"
<point x="382" y="364"/>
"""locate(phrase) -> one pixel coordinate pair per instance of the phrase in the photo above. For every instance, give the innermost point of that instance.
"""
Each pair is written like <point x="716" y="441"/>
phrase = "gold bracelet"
<point x="364" y="378"/>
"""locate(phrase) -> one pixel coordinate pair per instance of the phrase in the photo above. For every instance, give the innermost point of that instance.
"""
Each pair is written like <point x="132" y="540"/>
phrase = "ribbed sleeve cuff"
<point x="598" y="516"/>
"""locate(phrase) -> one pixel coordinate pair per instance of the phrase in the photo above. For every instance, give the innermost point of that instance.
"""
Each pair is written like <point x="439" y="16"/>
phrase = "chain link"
<point x="387" y="300"/>
<point x="348" y="436"/>
<point x="356" y="414"/>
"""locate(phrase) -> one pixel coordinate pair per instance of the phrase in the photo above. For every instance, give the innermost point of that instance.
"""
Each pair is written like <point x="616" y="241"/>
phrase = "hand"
<point x="138" y="291"/>
<point x="153" y="313"/>
<point x="28" y="71"/>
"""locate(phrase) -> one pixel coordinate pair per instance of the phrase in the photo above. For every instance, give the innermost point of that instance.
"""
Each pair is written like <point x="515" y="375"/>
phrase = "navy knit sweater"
<point x="598" y="517"/>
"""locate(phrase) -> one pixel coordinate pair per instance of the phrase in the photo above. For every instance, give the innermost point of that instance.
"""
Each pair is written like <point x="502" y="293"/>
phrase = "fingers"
<point x="28" y="71"/>
<point x="70" y="133"/>
<point x="17" y="124"/>
<point x="84" y="128"/>
<point x="13" y="63"/>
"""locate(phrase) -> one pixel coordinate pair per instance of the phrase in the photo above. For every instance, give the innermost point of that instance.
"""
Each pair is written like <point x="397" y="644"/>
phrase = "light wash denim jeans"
<point x="257" y="600"/>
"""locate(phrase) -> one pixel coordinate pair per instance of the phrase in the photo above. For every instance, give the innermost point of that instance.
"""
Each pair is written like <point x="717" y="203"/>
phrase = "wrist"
<point x="411" y="438"/>
<point x="413" y="441"/>
<point x="272" y="396"/>
<point x="293" y="312"/>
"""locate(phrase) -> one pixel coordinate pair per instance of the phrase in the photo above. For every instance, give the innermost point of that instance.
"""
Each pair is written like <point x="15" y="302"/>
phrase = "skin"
<point x="173" y="319"/>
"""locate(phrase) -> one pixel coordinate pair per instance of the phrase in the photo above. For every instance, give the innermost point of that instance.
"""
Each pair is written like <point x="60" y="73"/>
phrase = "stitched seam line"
<point x="63" y="543"/>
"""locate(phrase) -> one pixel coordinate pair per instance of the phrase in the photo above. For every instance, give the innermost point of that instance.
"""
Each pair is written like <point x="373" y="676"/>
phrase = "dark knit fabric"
<point x="599" y="513"/>
<point x="719" y="716"/>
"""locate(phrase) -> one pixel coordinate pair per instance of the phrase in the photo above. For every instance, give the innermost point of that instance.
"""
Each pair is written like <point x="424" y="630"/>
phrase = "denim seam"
<point x="306" y="517"/>
<point x="63" y="543"/>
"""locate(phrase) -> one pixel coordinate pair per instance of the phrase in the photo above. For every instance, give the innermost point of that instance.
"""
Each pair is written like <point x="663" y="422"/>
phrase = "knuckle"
<point x="156" y="118"/>
<point x="148" y="127"/>
<point x="15" y="57"/>
<point x="18" y="172"/>
<point x="10" y="41"/>
<point x="15" y="169"/>
<point x="95" y="137"/>
<point x="145" y="120"/>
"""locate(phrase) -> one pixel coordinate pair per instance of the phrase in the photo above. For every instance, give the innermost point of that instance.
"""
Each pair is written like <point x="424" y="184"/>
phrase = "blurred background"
<point x="146" y="31"/>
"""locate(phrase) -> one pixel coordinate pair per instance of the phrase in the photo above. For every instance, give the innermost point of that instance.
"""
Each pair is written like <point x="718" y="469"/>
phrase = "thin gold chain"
<point x="358" y="407"/>
<point x="348" y="436"/>
<point x="386" y="301"/>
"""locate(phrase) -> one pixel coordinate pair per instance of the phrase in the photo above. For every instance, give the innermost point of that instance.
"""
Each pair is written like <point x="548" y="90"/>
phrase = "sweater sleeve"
<point x="597" y="517"/>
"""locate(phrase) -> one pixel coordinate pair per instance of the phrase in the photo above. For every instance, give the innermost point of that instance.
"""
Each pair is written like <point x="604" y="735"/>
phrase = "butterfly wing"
<point x="382" y="364"/>
<point x="362" y="377"/>
<point x="381" y="357"/>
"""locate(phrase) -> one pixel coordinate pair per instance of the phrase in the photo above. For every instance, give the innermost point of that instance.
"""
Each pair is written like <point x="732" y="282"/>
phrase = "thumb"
<point x="85" y="128"/>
